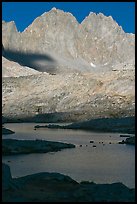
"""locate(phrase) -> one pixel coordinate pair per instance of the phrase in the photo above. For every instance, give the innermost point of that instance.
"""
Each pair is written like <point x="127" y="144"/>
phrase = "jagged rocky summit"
<point x="78" y="71"/>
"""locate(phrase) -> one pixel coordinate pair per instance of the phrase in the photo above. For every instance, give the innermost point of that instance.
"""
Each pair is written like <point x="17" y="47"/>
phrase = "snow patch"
<point x="92" y="65"/>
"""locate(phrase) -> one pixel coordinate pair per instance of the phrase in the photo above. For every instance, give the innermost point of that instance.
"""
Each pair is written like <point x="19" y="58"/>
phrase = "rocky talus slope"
<point x="13" y="69"/>
<point x="80" y="71"/>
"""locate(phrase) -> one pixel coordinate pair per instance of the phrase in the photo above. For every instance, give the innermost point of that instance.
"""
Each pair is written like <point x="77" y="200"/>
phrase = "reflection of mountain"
<point x="92" y="64"/>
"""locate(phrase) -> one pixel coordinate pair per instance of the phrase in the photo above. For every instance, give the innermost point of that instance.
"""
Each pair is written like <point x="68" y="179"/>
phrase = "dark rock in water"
<point x="129" y="140"/>
<point x="6" y="131"/>
<point x="12" y="146"/>
<point x="38" y="126"/>
<point x="56" y="187"/>
<point x="47" y="126"/>
<point x="122" y="142"/>
<point x="91" y="141"/>
<point x="124" y="135"/>
<point x="94" y="145"/>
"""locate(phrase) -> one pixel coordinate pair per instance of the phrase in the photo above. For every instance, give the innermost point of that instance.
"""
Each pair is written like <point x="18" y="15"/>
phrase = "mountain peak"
<point x="96" y="42"/>
<point x="54" y="9"/>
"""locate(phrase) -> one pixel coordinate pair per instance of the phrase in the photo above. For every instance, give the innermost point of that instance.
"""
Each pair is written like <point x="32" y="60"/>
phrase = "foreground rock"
<point x="12" y="146"/>
<point x="6" y="177"/>
<point x="55" y="187"/>
<point x="120" y="125"/>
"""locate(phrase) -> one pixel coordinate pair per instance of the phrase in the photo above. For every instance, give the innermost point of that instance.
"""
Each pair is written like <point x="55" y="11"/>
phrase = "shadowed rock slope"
<point x="55" y="187"/>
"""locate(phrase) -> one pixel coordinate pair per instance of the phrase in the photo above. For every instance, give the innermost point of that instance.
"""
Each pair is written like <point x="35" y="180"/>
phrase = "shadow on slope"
<point x="37" y="61"/>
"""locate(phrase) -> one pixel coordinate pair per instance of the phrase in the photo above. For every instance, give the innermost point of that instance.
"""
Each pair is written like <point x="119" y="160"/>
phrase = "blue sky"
<point x="23" y="13"/>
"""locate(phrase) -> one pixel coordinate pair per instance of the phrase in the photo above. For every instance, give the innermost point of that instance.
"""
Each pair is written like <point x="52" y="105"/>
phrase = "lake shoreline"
<point x="120" y="125"/>
<point x="15" y="147"/>
<point x="55" y="187"/>
<point x="107" y="143"/>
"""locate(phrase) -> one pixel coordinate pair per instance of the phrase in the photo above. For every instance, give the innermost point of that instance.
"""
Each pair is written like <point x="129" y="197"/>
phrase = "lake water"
<point x="105" y="163"/>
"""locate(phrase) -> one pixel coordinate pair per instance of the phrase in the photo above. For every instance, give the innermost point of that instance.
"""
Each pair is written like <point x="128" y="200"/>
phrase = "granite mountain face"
<point x="78" y="71"/>
<point x="97" y="42"/>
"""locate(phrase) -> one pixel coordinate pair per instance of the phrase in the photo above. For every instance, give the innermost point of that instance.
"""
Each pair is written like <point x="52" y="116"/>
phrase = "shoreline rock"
<point x="6" y="131"/>
<point x="13" y="147"/>
<point x="129" y="141"/>
<point x="120" y="125"/>
<point x="56" y="187"/>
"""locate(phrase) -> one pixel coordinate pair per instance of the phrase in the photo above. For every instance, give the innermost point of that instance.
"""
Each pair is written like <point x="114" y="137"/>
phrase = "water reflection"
<point x="105" y="163"/>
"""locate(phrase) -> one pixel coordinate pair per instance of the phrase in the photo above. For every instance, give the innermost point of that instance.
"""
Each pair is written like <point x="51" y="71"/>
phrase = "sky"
<point x="24" y="13"/>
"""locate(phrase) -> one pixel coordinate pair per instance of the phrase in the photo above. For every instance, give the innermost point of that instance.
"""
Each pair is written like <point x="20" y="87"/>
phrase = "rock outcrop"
<point x="129" y="141"/>
<point x="6" y="177"/>
<point x="6" y="131"/>
<point x="89" y="69"/>
<point x="123" y="125"/>
<point x="13" y="147"/>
